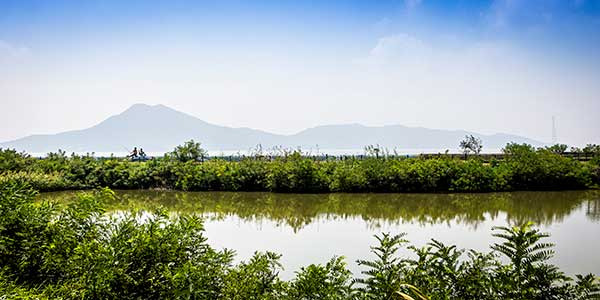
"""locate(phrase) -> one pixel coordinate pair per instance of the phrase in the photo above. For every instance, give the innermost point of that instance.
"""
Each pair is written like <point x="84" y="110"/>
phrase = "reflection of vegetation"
<point x="592" y="210"/>
<point x="298" y="210"/>
<point x="78" y="252"/>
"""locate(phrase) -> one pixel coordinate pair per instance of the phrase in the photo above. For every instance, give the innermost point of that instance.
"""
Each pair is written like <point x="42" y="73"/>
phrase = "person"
<point x="142" y="154"/>
<point x="134" y="153"/>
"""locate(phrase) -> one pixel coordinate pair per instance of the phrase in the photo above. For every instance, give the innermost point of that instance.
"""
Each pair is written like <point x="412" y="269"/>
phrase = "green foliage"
<point x="331" y="281"/>
<point x="558" y="148"/>
<point x="471" y="177"/>
<point x="189" y="151"/>
<point x="527" y="274"/>
<point x="521" y="245"/>
<point x="11" y="160"/>
<point x="10" y="290"/>
<point x="592" y="148"/>
<point x="349" y="176"/>
<point x="522" y="168"/>
<point x="383" y="277"/>
<point x="40" y="181"/>
<point x="527" y="168"/>
<point x="295" y="173"/>
<point x="436" y="267"/>
<point x="256" y="279"/>
<point x="78" y="251"/>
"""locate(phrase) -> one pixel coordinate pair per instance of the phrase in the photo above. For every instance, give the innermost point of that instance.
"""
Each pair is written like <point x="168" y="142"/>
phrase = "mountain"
<point x="159" y="128"/>
<point x="397" y="136"/>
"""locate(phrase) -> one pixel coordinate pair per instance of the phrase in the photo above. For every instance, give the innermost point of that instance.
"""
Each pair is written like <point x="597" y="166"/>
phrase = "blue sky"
<point x="487" y="66"/>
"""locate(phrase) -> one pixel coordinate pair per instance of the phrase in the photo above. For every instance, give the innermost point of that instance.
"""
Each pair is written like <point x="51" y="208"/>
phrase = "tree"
<point x="592" y="148"/>
<point x="471" y="144"/>
<point x="558" y="148"/>
<point x="189" y="151"/>
<point x="373" y="150"/>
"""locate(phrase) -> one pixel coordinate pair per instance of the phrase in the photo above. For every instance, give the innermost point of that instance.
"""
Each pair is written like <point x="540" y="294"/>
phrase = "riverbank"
<point x="522" y="168"/>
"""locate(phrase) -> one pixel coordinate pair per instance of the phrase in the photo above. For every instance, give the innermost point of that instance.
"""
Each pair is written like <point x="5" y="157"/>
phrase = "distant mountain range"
<point x="159" y="128"/>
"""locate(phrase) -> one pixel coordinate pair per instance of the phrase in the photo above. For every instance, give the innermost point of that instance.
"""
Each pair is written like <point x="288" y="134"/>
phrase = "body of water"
<point x="312" y="228"/>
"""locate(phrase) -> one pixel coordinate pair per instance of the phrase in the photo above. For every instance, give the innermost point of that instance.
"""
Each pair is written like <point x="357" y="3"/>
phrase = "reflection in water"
<point x="309" y="228"/>
<point x="300" y="210"/>
<point x="593" y="209"/>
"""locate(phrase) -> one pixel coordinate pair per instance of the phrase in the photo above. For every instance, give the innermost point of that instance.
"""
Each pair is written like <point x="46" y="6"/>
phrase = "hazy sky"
<point x="281" y="66"/>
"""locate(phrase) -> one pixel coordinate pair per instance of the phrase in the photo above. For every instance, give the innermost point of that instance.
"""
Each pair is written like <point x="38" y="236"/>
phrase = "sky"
<point x="283" y="66"/>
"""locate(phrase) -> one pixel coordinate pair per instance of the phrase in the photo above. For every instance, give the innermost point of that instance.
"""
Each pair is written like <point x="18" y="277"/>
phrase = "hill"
<point x="159" y="128"/>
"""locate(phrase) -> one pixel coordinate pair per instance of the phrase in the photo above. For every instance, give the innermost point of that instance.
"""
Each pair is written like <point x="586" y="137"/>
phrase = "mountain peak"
<point x="139" y="106"/>
<point x="145" y="107"/>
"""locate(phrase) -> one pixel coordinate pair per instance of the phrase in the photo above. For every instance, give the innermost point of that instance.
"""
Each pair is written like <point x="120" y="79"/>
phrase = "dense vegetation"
<point x="79" y="251"/>
<point x="523" y="168"/>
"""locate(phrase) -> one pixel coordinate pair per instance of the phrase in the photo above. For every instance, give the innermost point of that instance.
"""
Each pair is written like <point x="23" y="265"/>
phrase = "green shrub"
<point x="45" y="182"/>
<point x="252" y="174"/>
<point x="330" y="281"/>
<point x="543" y="169"/>
<point x="255" y="279"/>
<point x="295" y="173"/>
<point x="349" y="176"/>
<point x="189" y="151"/>
<point x="11" y="160"/>
<point x="523" y="168"/>
<point x="473" y="176"/>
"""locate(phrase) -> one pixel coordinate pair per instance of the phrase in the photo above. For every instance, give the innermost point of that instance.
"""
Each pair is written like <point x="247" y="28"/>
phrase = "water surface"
<point x="311" y="228"/>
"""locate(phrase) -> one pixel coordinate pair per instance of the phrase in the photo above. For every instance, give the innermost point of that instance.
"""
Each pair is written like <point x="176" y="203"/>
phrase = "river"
<point x="311" y="228"/>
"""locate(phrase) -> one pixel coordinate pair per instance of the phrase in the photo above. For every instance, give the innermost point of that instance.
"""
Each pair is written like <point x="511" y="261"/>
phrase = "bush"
<point x="46" y="182"/>
<point x="543" y="170"/>
<point x="189" y="151"/>
<point x="295" y="173"/>
<point x="473" y="176"/>
<point x="523" y="168"/>
<point x="349" y="176"/>
<point x="330" y="281"/>
<point x="11" y="160"/>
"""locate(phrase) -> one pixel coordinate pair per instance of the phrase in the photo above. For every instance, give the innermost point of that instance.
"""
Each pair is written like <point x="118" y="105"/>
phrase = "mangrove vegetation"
<point x="188" y="168"/>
